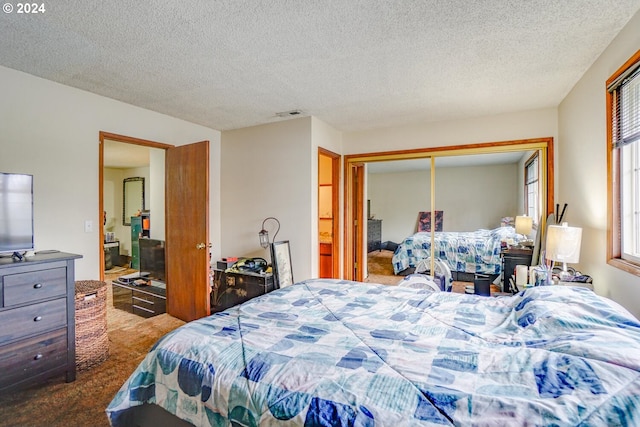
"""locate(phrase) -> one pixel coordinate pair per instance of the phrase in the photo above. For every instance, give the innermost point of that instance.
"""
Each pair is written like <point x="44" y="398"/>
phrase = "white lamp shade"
<point x="563" y="243"/>
<point x="524" y="225"/>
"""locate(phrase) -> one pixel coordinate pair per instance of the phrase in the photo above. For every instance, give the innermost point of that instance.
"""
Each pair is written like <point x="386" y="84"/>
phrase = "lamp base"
<point x="564" y="275"/>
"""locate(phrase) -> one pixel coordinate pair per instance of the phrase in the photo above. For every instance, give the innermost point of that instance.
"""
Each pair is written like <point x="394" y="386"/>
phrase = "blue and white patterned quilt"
<point x="328" y="352"/>
<point x="469" y="252"/>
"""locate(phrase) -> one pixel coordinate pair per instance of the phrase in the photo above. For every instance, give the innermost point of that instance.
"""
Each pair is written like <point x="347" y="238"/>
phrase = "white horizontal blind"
<point x="626" y="114"/>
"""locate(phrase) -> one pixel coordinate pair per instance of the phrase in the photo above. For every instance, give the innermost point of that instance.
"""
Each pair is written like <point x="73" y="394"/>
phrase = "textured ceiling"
<point x="353" y="64"/>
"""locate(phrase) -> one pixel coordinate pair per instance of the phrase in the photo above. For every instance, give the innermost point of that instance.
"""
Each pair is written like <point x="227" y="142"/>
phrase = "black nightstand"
<point x="510" y="258"/>
<point x="231" y="289"/>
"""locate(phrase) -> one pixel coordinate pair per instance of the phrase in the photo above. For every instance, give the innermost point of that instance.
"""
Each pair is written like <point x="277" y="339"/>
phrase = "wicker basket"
<point x="92" y="340"/>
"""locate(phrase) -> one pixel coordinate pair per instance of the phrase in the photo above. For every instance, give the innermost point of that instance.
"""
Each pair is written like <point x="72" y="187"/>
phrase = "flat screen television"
<point x="16" y="213"/>
<point x="152" y="259"/>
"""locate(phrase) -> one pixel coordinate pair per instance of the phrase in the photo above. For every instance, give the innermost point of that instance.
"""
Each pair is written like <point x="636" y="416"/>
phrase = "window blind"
<point x="626" y="108"/>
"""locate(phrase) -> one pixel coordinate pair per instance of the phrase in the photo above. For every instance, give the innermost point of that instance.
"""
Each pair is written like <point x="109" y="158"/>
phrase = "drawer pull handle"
<point x="37" y="318"/>
<point x="38" y="356"/>
<point x="37" y="286"/>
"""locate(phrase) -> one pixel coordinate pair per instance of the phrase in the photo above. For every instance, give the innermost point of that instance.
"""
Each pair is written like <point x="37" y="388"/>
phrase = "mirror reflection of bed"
<point x="475" y="193"/>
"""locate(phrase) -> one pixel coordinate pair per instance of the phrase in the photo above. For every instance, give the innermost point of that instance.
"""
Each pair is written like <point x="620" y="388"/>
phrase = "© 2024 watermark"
<point x="24" y="8"/>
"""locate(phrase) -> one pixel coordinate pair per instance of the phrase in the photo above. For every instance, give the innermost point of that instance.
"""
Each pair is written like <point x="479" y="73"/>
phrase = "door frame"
<point x="127" y="140"/>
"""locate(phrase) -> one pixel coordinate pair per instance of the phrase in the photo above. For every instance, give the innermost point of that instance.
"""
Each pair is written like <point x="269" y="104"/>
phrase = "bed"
<point x="467" y="252"/>
<point x="330" y="352"/>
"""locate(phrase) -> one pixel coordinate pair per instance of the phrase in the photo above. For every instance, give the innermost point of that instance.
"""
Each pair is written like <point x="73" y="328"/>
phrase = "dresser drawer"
<point x="34" y="286"/>
<point x="33" y="356"/>
<point x="147" y="305"/>
<point x="33" y="319"/>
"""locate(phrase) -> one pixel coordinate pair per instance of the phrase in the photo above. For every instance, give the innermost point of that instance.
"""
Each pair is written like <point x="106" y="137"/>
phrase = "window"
<point x="623" y="99"/>
<point x="531" y="187"/>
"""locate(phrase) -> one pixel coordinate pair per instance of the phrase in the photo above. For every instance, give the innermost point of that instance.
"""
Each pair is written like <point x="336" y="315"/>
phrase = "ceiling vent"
<point x="292" y="113"/>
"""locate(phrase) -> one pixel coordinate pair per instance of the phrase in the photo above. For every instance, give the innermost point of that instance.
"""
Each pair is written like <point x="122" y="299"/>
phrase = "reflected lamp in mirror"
<point x="263" y="235"/>
<point x="524" y="225"/>
<point x="563" y="245"/>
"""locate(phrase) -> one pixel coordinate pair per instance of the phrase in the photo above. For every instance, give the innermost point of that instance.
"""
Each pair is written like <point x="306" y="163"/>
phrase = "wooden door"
<point x="187" y="231"/>
<point x="354" y="222"/>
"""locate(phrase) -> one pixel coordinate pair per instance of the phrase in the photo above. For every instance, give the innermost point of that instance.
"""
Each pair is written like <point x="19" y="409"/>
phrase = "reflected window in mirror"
<point x="132" y="198"/>
<point x="532" y="186"/>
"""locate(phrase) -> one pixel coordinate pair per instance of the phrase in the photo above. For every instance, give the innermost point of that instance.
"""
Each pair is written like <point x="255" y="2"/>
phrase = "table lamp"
<point x="263" y="235"/>
<point x="563" y="245"/>
<point x="524" y="225"/>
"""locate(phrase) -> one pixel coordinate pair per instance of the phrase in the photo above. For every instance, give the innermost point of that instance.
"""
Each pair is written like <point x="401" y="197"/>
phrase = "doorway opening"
<point x="139" y="193"/>
<point x="328" y="213"/>
<point x="186" y="192"/>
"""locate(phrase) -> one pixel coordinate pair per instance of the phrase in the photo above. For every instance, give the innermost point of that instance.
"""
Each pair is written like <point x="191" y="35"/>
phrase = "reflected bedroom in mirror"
<point x="477" y="200"/>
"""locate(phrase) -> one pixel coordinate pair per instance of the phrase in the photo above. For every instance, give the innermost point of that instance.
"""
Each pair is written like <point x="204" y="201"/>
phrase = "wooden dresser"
<point x="37" y="314"/>
<point x="374" y="235"/>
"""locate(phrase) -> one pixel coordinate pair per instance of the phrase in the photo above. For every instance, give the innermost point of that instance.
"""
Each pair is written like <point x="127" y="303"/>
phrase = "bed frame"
<point x="150" y="415"/>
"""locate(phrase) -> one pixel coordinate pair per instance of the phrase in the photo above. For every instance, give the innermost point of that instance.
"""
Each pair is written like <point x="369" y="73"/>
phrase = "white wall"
<point x="582" y="168"/>
<point x="471" y="198"/>
<point x="268" y="172"/>
<point x="476" y="197"/>
<point x="396" y="198"/>
<point x="503" y="127"/>
<point x="51" y="131"/>
<point x="272" y="170"/>
<point x="325" y="136"/>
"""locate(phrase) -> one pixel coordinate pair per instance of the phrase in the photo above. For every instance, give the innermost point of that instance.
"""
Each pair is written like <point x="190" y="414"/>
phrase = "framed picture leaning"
<point x="281" y="261"/>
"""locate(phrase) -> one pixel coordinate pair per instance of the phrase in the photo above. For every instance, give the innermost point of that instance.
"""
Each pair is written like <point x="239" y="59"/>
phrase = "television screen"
<point x="152" y="259"/>
<point x="16" y="212"/>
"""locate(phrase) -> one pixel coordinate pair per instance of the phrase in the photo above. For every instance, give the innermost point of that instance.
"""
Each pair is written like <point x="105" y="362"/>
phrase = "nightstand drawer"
<point x="33" y="356"/>
<point x="34" y="286"/>
<point x="147" y="305"/>
<point x="32" y="319"/>
<point x="142" y="311"/>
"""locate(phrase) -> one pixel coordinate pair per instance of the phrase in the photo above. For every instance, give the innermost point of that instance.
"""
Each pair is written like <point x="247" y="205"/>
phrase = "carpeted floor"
<point x="83" y="402"/>
<point x="380" y="269"/>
